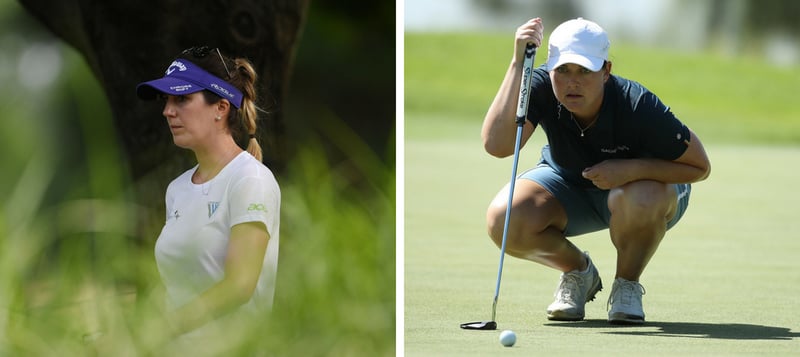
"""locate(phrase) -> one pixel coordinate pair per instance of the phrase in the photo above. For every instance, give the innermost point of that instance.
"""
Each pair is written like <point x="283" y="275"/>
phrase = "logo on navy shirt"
<point x="615" y="150"/>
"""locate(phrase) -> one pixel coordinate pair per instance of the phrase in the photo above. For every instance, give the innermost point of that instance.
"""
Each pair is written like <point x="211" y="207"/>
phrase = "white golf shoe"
<point x="626" y="302"/>
<point x="575" y="289"/>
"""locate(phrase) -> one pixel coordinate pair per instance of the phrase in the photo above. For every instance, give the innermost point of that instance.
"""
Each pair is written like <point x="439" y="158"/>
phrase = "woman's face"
<point x="579" y="89"/>
<point x="190" y="119"/>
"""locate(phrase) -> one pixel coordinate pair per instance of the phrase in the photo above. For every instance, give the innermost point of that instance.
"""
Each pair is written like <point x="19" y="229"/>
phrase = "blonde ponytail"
<point x="244" y="78"/>
<point x="242" y="121"/>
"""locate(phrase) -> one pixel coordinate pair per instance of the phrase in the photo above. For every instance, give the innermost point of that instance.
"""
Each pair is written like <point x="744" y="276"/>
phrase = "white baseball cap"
<point x="578" y="41"/>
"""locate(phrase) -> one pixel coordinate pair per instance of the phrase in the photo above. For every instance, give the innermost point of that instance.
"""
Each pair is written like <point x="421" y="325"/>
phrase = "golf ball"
<point x="508" y="338"/>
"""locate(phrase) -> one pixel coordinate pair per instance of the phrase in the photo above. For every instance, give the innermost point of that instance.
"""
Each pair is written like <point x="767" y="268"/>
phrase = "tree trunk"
<point x="127" y="42"/>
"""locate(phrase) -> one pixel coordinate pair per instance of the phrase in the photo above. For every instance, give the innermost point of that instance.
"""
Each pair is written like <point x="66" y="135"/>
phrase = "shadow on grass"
<point x="730" y="331"/>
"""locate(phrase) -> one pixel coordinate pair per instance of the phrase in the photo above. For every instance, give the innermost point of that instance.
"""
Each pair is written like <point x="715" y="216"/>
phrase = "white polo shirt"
<point x="190" y="251"/>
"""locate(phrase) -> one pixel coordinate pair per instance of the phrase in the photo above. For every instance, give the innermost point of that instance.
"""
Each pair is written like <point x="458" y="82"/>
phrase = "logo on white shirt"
<point x="256" y="207"/>
<point x="212" y="207"/>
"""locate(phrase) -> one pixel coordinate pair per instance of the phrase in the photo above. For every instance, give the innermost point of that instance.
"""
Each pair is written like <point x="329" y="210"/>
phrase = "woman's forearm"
<point x="215" y="302"/>
<point x="499" y="124"/>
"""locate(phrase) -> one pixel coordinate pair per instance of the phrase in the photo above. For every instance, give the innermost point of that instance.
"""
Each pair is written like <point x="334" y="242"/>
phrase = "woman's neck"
<point x="588" y="117"/>
<point x="211" y="160"/>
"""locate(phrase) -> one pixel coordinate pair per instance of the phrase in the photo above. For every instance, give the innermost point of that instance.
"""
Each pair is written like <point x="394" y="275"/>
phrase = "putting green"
<point x="724" y="280"/>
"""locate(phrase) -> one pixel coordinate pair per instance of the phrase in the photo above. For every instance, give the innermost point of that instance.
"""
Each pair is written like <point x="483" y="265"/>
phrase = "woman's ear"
<point x="223" y="107"/>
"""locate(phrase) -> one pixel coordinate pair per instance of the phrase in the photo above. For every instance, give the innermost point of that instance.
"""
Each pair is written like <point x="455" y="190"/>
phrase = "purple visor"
<point x="183" y="77"/>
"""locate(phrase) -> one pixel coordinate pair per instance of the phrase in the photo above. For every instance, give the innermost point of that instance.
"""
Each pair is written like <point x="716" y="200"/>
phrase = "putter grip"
<point x="525" y="84"/>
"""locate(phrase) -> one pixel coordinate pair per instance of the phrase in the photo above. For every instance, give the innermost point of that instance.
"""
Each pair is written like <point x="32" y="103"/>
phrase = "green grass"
<point x="735" y="100"/>
<point x="335" y="292"/>
<point x="724" y="280"/>
<point x="71" y="252"/>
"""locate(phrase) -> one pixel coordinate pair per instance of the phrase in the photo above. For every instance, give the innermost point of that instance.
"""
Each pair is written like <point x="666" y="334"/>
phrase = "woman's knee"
<point x="642" y="199"/>
<point x="533" y="211"/>
<point x="495" y="219"/>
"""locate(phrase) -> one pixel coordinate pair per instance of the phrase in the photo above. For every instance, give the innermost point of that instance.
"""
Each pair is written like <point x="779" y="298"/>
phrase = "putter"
<point x="522" y="113"/>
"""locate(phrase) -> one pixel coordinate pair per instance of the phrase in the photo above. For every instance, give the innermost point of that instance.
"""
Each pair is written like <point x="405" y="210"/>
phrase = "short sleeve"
<point x="663" y="135"/>
<point x="541" y="96"/>
<point x="168" y="209"/>
<point x="169" y="200"/>
<point x="254" y="199"/>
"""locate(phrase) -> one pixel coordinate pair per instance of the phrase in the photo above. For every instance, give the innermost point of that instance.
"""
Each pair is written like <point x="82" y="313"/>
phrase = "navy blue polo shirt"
<point x="633" y="123"/>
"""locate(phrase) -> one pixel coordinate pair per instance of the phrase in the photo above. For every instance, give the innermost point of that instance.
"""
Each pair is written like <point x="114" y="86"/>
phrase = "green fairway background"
<point x="725" y="280"/>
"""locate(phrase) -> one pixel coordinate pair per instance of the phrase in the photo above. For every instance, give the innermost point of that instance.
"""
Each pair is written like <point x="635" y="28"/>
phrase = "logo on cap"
<point x="181" y="88"/>
<point x="176" y="65"/>
<point x="221" y="90"/>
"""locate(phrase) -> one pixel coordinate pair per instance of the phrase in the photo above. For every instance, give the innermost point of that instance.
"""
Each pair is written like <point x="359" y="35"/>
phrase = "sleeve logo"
<point x="256" y="207"/>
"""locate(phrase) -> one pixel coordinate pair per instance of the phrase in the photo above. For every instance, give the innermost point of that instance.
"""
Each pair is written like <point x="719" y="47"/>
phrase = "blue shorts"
<point x="587" y="208"/>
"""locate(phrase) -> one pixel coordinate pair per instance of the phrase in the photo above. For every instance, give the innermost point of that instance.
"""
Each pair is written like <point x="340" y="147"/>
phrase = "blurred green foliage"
<point x="70" y="260"/>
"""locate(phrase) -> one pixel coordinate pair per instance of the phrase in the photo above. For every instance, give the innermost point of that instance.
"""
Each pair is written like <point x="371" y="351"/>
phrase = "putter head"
<point x="481" y="325"/>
